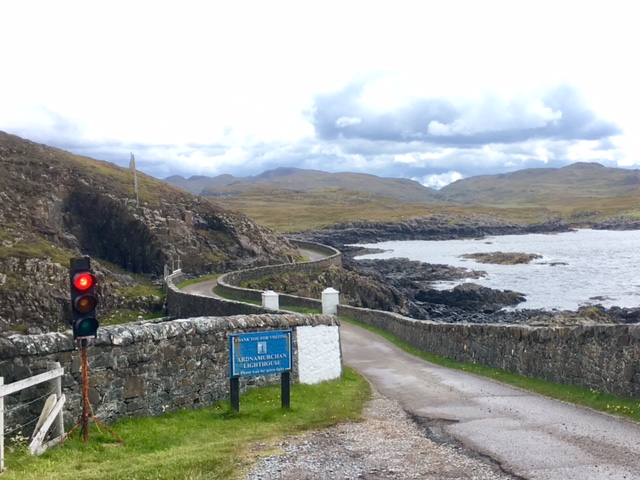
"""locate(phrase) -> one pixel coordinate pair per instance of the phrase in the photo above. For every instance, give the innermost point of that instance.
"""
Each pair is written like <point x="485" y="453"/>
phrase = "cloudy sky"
<point x="429" y="90"/>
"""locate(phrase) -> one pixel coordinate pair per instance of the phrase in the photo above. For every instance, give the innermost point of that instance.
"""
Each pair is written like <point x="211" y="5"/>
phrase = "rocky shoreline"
<point x="468" y="302"/>
<point x="434" y="227"/>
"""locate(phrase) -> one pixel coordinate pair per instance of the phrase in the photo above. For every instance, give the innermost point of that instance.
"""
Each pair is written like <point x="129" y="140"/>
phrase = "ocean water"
<point x="581" y="268"/>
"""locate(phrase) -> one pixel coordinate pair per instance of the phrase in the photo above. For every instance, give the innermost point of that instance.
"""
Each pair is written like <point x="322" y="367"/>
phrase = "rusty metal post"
<point x="85" y="390"/>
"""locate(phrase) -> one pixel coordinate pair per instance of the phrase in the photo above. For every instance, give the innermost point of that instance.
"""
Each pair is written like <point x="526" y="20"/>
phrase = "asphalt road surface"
<point x="206" y="288"/>
<point x="529" y="435"/>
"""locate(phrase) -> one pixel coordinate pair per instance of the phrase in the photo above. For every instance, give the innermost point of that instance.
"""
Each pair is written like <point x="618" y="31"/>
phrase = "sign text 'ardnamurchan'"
<point x="260" y="353"/>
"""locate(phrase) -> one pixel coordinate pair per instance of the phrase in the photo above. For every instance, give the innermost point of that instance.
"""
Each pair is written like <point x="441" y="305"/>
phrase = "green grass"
<point x="193" y="281"/>
<point x="290" y="211"/>
<point x="212" y="443"/>
<point x="621" y="406"/>
<point x="34" y="248"/>
<point x="222" y="294"/>
<point x="149" y="297"/>
<point x="304" y="310"/>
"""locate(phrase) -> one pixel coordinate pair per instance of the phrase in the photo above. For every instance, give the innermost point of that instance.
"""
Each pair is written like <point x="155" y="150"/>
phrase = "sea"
<point x="579" y="268"/>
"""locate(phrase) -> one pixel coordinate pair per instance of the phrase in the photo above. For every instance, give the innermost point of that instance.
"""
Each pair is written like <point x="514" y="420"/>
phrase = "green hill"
<point x="55" y="205"/>
<point x="291" y="199"/>
<point x="301" y="180"/>
<point x="575" y="184"/>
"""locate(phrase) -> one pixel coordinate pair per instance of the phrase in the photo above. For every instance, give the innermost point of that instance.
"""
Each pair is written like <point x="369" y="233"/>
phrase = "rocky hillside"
<point x="55" y="205"/>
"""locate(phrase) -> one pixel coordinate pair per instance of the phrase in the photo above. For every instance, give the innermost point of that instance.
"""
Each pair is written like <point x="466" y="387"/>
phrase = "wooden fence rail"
<point x="53" y="376"/>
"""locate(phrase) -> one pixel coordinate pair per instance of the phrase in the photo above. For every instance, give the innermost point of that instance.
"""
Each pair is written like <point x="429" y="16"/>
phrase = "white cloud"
<point x="347" y="121"/>
<point x="458" y="127"/>
<point x="208" y="87"/>
<point x="543" y="154"/>
<point x="588" y="151"/>
<point x="494" y="112"/>
<point x="441" y="180"/>
<point x="408" y="158"/>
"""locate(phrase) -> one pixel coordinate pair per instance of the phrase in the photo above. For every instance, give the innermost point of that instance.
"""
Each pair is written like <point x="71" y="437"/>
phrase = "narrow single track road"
<point x="530" y="436"/>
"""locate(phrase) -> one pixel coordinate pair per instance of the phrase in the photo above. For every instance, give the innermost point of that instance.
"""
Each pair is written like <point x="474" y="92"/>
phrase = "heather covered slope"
<point x="301" y="180"/>
<point x="55" y="205"/>
<point x="290" y="200"/>
<point x="576" y="184"/>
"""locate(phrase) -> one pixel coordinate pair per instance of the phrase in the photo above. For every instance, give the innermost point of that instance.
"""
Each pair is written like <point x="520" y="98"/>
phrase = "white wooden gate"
<point x="51" y="413"/>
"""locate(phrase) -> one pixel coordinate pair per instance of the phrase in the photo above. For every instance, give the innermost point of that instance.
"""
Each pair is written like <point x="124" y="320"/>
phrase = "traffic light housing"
<point x="83" y="298"/>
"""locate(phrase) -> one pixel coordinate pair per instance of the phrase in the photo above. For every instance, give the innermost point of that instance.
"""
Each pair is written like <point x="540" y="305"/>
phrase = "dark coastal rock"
<point x="403" y="269"/>
<point x="414" y="281"/>
<point x="434" y="227"/>
<point x="472" y="297"/>
<point x="625" y="315"/>
<point x="503" y="258"/>
<point x="617" y="223"/>
<point x="464" y="304"/>
<point x="467" y="303"/>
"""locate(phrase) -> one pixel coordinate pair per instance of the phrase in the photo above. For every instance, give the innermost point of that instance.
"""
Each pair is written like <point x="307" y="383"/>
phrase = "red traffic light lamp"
<point x="83" y="298"/>
<point x="83" y="280"/>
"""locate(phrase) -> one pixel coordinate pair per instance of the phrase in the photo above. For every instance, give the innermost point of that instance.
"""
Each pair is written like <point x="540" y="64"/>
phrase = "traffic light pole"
<point x="86" y="405"/>
<point x="85" y="388"/>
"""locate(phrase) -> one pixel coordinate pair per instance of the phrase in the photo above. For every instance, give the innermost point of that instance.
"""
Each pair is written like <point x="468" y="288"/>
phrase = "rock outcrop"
<point x="55" y="206"/>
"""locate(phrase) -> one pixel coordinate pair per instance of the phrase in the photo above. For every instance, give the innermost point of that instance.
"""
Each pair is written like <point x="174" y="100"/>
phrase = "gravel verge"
<point x="385" y="444"/>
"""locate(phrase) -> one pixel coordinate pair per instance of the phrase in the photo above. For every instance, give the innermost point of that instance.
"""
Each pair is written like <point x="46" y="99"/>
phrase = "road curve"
<point x="529" y="435"/>
<point x="206" y="288"/>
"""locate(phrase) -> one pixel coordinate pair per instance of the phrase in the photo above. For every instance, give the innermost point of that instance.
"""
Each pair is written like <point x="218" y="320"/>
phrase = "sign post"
<point x="261" y="353"/>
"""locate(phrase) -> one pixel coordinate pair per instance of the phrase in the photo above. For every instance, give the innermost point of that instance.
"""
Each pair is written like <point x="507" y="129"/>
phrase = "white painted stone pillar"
<point x="270" y="299"/>
<point x="330" y="301"/>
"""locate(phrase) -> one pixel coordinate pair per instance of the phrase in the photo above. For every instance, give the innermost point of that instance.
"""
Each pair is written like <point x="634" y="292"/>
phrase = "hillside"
<point x="578" y="183"/>
<point x="300" y="180"/>
<point x="55" y="205"/>
<point x="290" y="200"/>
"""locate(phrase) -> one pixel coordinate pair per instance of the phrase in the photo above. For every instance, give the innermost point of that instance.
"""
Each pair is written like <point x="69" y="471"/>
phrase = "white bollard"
<point x="330" y="301"/>
<point x="270" y="299"/>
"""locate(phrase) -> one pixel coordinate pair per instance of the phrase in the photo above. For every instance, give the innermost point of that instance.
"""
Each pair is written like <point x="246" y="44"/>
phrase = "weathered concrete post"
<point x="330" y="301"/>
<point x="270" y="299"/>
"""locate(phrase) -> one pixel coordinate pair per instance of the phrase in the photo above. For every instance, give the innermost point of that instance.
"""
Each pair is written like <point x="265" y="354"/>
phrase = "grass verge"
<point x="621" y="406"/>
<point x="211" y="443"/>
<point x="235" y="298"/>
<point x="193" y="281"/>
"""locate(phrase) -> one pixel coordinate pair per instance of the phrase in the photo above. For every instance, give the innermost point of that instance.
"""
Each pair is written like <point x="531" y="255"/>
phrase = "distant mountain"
<point x="290" y="199"/>
<point x="302" y="180"/>
<point x="578" y="183"/>
<point x="196" y="184"/>
<point x="530" y="187"/>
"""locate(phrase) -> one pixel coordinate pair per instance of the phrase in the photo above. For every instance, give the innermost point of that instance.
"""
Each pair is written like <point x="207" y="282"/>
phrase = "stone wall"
<point x="228" y="283"/>
<point x="184" y="305"/>
<point x="148" y="368"/>
<point x="601" y="357"/>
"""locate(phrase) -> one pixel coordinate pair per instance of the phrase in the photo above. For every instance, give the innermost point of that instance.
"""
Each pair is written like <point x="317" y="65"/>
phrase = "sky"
<point x="429" y="90"/>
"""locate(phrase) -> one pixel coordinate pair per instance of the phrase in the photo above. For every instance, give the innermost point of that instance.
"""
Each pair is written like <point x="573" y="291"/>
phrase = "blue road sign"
<point x="260" y="353"/>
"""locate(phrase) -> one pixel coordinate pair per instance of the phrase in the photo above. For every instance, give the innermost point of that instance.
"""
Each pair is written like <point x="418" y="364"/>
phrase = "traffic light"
<point x="83" y="298"/>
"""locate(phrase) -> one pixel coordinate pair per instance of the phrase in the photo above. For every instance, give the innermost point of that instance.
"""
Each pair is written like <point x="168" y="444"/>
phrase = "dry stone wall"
<point x="184" y="305"/>
<point x="601" y="357"/>
<point x="228" y="283"/>
<point x="148" y="368"/>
